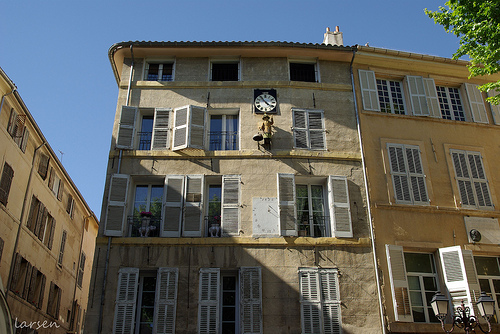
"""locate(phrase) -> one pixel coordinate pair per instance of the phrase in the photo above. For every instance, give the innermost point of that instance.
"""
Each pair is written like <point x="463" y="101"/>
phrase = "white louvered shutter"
<point x="340" y="211"/>
<point x="161" y="129"/>
<point x="432" y="98"/>
<point x="332" y="320"/>
<point x="476" y="103"/>
<point x="165" y="301"/>
<point x="286" y="202"/>
<point x="369" y="91"/>
<point x="180" y="132"/>
<point x="301" y="139"/>
<point x="460" y="276"/>
<point x="251" y="300"/>
<point x="116" y="210"/>
<point x="189" y="127"/>
<point x="126" y="130"/>
<point x="495" y="109"/>
<point x="126" y="299"/>
<point x="193" y="207"/>
<point x="230" y="204"/>
<point x="172" y="206"/>
<point x="418" y="98"/>
<point x="208" y="301"/>
<point x="399" y="173"/>
<point x="197" y="127"/>
<point x="399" y="283"/>
<point x="310" y="301"/>
<point x="416" y="175"/>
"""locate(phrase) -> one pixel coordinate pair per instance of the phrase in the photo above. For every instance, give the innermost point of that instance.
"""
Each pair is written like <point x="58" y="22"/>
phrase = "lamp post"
<point x="462" y="318"/>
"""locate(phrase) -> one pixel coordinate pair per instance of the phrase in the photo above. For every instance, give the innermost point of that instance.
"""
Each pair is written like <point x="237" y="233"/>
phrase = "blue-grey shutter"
<point x="165" y="300"/>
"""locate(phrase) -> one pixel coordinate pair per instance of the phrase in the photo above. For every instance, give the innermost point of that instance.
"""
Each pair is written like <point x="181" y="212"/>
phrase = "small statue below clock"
<point x="266" y="128"/>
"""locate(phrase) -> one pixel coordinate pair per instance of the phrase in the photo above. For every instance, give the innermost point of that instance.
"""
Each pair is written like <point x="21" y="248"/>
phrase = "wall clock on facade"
<point x="265" y="101"/>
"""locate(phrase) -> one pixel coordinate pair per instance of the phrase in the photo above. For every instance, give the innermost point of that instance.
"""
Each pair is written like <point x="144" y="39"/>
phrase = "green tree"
<point x="477" y="24"/>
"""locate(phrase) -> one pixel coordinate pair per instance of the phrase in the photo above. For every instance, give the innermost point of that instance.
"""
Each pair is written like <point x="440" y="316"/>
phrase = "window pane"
<point x="141" y="196"/>
<point x="214" y="203"/>
<point x="413" y="283"/>
<point x="153" y="72"/>
<point x="225" y="72"/>
<point x="430" y="283"/>
<point x="146" y="133"/>
<point x="487" y="266"/>
<point x="419" y="263"/>
<point x="166" y="74"/>
<point x="156" y="200"/>
<point x="418" y="314"/>
<point x="416" y="298"/>
<point x="302" y="72"/>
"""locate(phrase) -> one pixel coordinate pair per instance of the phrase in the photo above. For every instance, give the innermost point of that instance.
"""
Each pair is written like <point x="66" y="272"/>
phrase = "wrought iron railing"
<point x="145" y="140"/>
<point x="313" y="226"/>
<point x="142" y="228"/>
<point x="223" y="140"/>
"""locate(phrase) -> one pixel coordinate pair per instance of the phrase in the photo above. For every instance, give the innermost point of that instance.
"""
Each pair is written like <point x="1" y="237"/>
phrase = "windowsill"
<point x="413" y="327"/>
<point x="439" y="209"/>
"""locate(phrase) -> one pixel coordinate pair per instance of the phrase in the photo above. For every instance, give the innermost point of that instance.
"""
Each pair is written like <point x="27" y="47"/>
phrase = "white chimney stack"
<point x="333" y="37"/>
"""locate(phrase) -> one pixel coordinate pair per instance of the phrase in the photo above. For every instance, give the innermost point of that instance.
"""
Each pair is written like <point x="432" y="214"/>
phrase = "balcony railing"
<point x="142" y="228"/>
<point x="313" y="226"/>
<point x="223" y="140"/>
<point x="145" y="140"/>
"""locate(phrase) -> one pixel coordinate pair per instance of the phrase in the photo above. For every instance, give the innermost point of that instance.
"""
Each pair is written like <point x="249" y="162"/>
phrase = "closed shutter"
<point x="27" y="280"/>
<point x="193" y="207"/>
<point x="41" y="219"/>
<point x="52" y="176"/>
<point x="172" y="206"/>
<point x="479" y="180"/>
<point x="166" y="301"/>
<point x="399" y="283"/>
<point x="460" y="276"/>
<point x="495" y="108"/>
<point x="180" y="133"/>
<point x="197" y="127"/>
<point x="332" y="320"/>
<point x="208" y="301"/>
<point x="310" y="301"/>
<point x="369" y="91"/>
<point x="161" y="129"/>
<point x="126" y="130"/>
<point x="251" y="300"/>
<point x="51" y="235"/>
<point x="340" y="211"/>
<point x="61" y="248"/>
<point x="60" y="190"/>
<point x="33" y="213"/>
<point x="418" y="98"/>
<point x="300" y="128"/>
<point x="42" y="291"/>
<point x="117" y="199"/>
<point x="432" y="98"/>
<point x="399" y="173"/>
<point x="31" y="293"/>
<point x="230" y="205"/>
<point x="43" y="165"/>
<point x="5" y="183"/>
<point x="476" y="103"/>
<point x="462" y="175"/>
<point x="416" y="175"/>
<point x="286" y="202"/>
<point x="126" y="299"/>
<point x="16" y="272"/>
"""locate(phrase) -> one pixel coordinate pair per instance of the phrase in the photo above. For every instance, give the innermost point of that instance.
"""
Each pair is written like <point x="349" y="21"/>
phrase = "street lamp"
<point x="462" y="317"/>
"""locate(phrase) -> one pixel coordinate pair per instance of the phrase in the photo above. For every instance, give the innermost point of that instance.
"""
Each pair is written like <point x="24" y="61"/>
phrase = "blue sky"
<point x="56" y="53"/>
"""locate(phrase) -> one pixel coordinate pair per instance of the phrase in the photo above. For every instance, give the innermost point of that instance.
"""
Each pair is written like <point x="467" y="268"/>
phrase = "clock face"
<point x="265" y="102"/>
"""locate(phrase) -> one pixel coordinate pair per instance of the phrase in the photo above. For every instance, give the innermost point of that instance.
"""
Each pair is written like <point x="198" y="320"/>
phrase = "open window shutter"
<point x="300" y="128"/>
<point x="286" y="202"/>
<point x="193" y="207"/>
<point x="495" y="108"/>
<point x="24" y="140"/>
<point x="5" y="183"/>
<point x="399" y="283"/>
<point x="310" y="301"/>
<point x="208" y="301"/>
<point x="117" y="199"/>
<point x="479" y="180"/>
<point x="432" y="98"/>
<point x="230" y="204"/>
<point x="60" y="190"/>
<point x="460" y="276"/>
<point x="51" y="235"/>
<point x="43" y="165"/>
<point x="126" y="299"/>
<point x="126" y="129"/>
<point x="340" y="211"/>
<point x="31" y="292"/>
<point x="416" y="174"/>
<point x="399" y="173"/>
<point x="42" y="291"/>
<point x="180" y="133"/>
<point x="462" y="175"/>
<point x="251" y="300"/>
<point x="197" y="127"/>
<point x="12" y="122"/>
<point x="476" y="103"/>
<point x="27" y="280"/>
<point x="52" y="176"/>
<point x="166" y="300"/>
<point x="316" y="130"/>
<point x="40" y="219"/>
<point x="332" y="320"/>
<point x="161" y="129"/>
<point x="172" y="206"/>
<point x="369" y="91"/>
<point x="418" y="98"/>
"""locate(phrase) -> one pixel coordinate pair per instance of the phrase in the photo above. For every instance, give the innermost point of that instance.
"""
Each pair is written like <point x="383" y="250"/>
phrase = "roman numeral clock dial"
<point x="265" y="101"/>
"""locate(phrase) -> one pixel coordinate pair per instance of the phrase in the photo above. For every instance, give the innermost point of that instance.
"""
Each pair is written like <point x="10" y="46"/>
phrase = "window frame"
<point x="325" y="215"/>
<point x="313" y="62"/>
<point x="390" y="96"/>
<point x="161" y="63"/>
<point x="489" y="278"/>
<point x="225" y="61"/>
<point x="450" y="105"/>
<point x="224" y="113"/>
<point x="304" y="132"/>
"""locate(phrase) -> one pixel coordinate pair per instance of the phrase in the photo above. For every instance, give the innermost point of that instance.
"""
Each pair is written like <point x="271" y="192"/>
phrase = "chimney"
<point x="333" y="37"/>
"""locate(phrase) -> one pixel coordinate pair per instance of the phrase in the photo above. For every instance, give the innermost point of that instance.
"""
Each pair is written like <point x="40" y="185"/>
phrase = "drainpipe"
<point x="9" y="280"/>
<point x="372" y="234"/>
<point x="3" y="97"/>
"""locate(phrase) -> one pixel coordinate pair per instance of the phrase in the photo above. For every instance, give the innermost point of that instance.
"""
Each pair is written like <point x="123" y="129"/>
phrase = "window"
<point x="295" y="213"/>
<point x="54" y="301"/>
<point x="20" y="276"/>
<point x="41" y="223"/>
<point x="81" y="270"/>
<point x="5" y="183"/>
<point x="61" y="248"/>
<point x="230" y="301"/>
<point x="36" y="288"/>
<point x="70" y="206"/>
<point x="471" y="179"/>
<point x="159" y="72"/>
<point x="390" y="96"/>
<point x="148" y="198"/>
<point x="146" y="301"/>
<point x="18" y="130"/>
<point x="146" y="133"/>
<point x="224" y="70"/>
<point x="319" y="300"/>
<point x="223" y="134"/>
<point x="43" y="166"/>
<point x="55" y="184"/>
<point x="450" y="103"/>
<point x="488" y="271"/>
<point x="408" y="178"/>
<point x="300" y="71"/>
<point x="308" y="129"/>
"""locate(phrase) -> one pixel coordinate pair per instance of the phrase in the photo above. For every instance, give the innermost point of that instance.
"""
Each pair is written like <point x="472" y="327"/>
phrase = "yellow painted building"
<point x="431" y="149"/>
<point x="47" y="230"/>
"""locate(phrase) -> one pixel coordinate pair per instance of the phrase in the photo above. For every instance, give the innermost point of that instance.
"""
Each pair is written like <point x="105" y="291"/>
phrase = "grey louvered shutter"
<point x="116" y="210"/>
<point x="197" y="127"/>
<point x="310" y="301"/>
<point x="416" y="88"/>
<point x="43" y="165"/>
<point x="208" y="301"/>
<point x="180" y="132"/>
<point x="193" y="206"/>
<point x="399" y="283"/>
<point x="126" y="299"/>
<point x="476" y="103"/>
<point x="316" y="130"/>
<point x="399" y="173"/>
<point x="369" y="93"/>
<point x="495" y="109"/>
<point x="165" y="301"/>
<point x="189" y="127"/>
<point x="300" y="128"/>
<point x="31" y="293"/>
<point x="251" y="300"/>
<point x="463" y="178"/>
<point x="340" y="210"/>
<point x="432" y="98"/>
<point x="51" y="235"/>
<point x="230" y="204"/>
<point x="161" y="129"/>
<point x="42" y="291"/>
<point x="479" y="180"/>
<point x="329" y="283"/>
<point x="11" y="127"/>
<point x="24" y="140"/>
<point x="126" y="130"/>
<point x="5" y="183"/>
<point x="416" y="175"/>
<point x="172" y="206"/>
<point x="286" y="203"/>
<point x="27" y="280"/>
